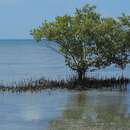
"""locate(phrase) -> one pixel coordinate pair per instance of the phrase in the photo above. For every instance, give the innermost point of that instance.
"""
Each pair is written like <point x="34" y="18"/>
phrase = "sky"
<point x="18" y="17"/>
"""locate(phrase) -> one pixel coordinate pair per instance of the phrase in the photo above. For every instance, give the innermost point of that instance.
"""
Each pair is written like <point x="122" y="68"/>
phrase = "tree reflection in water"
<point x="95" y="111"/>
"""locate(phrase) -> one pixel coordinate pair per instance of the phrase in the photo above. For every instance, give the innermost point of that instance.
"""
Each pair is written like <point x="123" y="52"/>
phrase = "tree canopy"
<point x="87" y="40"/>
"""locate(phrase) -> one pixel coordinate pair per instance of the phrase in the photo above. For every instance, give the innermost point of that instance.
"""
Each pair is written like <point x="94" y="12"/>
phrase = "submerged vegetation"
<point x="73" y="83"/>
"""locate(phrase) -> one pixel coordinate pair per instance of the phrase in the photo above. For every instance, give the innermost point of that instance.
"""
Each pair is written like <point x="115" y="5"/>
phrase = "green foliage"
<point x="87" y="40"/>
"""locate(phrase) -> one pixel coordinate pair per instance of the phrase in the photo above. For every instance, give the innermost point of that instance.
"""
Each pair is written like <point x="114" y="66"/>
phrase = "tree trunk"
<point x="81" y="75"/>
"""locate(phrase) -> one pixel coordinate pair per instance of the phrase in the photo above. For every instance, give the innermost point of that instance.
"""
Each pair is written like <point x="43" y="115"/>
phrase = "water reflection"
<point x="63" y="110"/>
<point x="95" y="110"/>
<point x="28" y="111"/>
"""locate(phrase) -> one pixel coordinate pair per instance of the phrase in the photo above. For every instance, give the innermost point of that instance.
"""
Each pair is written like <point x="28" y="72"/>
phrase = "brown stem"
<point x="81" y="75"/>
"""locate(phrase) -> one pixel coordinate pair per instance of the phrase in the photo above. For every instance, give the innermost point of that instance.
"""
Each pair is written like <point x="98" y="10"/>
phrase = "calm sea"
<point x="25" y="59"/>
<point x="59" y="109"/>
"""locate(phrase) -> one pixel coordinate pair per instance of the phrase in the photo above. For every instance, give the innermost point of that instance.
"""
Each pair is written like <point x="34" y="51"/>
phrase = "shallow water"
<point x="56" y="110"/>
<point x="63" y="110"/>
<point x="25" y="59"/>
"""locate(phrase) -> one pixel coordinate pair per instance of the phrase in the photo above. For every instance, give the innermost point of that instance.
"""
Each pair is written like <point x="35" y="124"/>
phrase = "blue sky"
<point x="18" y="17"/>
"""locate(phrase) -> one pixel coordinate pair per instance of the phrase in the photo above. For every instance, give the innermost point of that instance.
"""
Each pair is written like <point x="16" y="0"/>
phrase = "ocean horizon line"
<point x="15" y="39"/>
